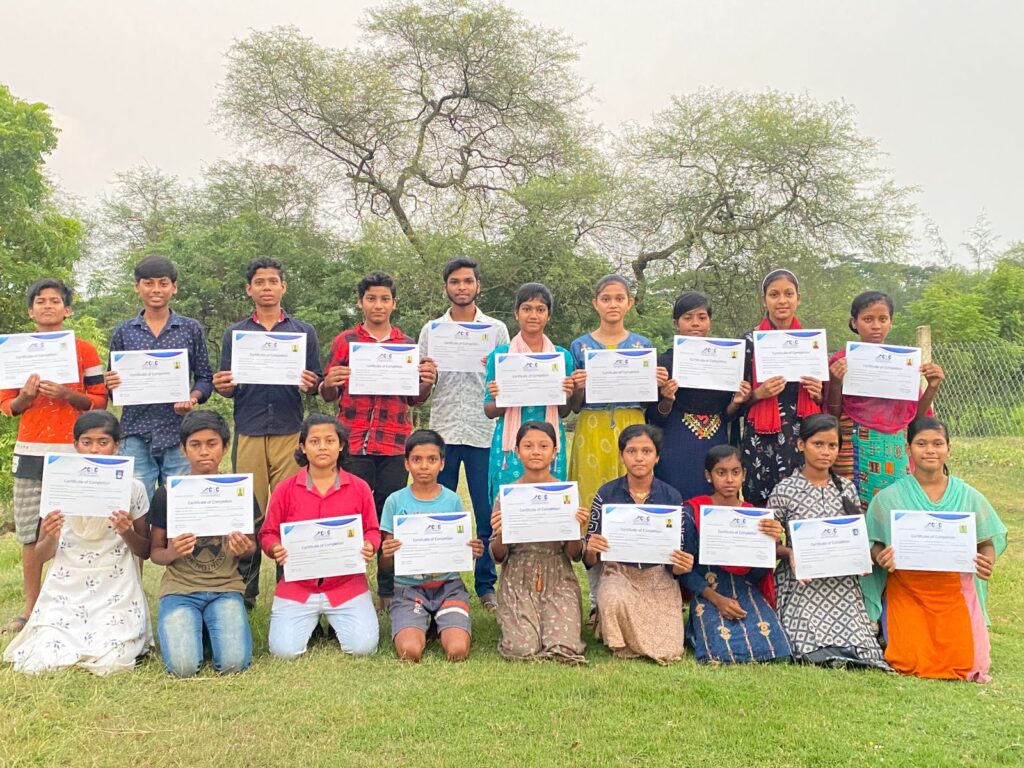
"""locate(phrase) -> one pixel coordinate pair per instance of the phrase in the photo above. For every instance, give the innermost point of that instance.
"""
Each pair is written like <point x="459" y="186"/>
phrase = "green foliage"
<point x="954" y="305"/>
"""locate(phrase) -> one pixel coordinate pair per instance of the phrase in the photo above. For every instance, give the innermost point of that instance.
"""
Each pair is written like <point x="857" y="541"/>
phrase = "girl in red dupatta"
<point x="874" y="429"/>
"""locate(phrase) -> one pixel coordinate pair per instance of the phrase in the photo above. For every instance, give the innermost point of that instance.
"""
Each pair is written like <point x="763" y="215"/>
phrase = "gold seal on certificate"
<point x="934" y="541"/>
<point x="53" y="356"/>
<point x="86" y="485"/>
<point x="151" y="376"/>
<point x="621" y="375"/>
<point x="699" y="362"/>
<point x="830" y="546"/>
<point x="539" y="512"/>
<point x="209" y="505"/>
<point x="320" y="549"/>
<point x="384" y="369"/>
<point x="460" y="346"/>
<point x="791" y="354"/>
<point x="730" y="536"/>
<point x="882" y="370"/>
<point x="529" y="379"/>
<point x="258" y="357"/>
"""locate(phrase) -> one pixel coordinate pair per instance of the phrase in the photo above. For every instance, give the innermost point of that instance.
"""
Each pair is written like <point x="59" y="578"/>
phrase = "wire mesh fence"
<point x="983" y="392"/>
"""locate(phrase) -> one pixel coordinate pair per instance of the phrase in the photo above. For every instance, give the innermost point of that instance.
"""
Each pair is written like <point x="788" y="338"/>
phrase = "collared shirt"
<point x="158" y="423"/>
<point x="297" y="499"/>
<point x="456" y="410"/>
<point x="617" y="492"/>
<point x="270" y="409"/>
<point x="379" y="424"/>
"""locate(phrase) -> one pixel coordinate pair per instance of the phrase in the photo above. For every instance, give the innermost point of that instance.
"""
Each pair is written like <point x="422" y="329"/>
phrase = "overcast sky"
<point x="937" y="83"/>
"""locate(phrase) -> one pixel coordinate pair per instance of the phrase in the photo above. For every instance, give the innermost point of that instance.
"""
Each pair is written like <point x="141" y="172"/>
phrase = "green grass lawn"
<point x="326" y="709"/>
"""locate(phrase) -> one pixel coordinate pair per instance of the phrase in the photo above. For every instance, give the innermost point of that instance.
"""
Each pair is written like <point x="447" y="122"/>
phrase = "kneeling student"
<point x="201" y="587"/>
<point x="429" y="600"/>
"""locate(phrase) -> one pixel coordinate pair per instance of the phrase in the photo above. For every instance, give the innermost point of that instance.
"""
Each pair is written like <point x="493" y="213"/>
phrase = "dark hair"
<point x="424" y="437"/>
<point x="689" y="301"/>
<point x="154" y="266"/>
<point x="197" y="421"/>
<point x="263" y="262"/>
<point x="634" y="431"/>
<point x="825" y="422"/>
<point x="719" y="453"/>
<point x="315" y="420"/>
<point x="865" y="300"/>
<point x="49" y="283"/>
<point x="924" y="424"/>
<point x="529" y="291"/>
<point x="376" y="280"/>
<point x="460" y="262"/>
<point x="104" y="420"/>
<point x="540" y="426"/>
<point x="774" y="275"/>
<point x="607" y="280"/>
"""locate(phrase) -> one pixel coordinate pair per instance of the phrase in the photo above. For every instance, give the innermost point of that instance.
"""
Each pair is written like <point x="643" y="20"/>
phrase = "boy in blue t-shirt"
<point x="438" y="599"/>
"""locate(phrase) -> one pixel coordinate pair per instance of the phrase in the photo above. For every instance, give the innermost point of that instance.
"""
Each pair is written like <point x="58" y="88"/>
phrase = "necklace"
<point x="639" y="497"/>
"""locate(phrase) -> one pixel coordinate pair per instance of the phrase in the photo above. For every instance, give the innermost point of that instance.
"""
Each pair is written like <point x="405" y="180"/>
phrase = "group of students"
<point x="802" y="449"/>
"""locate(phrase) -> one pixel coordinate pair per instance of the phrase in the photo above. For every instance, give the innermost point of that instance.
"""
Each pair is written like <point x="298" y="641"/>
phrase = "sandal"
<point x="489" y="601"/>
<point x="14" y="626"/>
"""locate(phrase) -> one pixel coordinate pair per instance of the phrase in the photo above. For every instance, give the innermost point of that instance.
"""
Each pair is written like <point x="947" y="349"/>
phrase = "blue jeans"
<point x="154" y="466"/>
<point x="476" y="461"/>
<point x="292" y="623"/>
<point x="180" y="630"/>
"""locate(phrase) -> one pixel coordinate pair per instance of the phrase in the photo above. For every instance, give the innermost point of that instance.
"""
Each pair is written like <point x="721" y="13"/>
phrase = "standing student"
<point x="694" y="420"/>
<point x="47" y="413"/>
<point x="267" y="416"/>
<point x="379" y="424"/>
<point x="437" y="600"/>
<point x="92" y="612"/>
<point x="824" y="619"/>
<point x="539" y="599"/>
<point x="321" y="489"/>
<point x="151" y="432"/>
<point x="533" y="308"/>
<point x="776" y="407"/>
<point x="455" y="413"/>
<point x="201" y="589"/>
<point x="934" y="622"/>
<point x="875" y="428"/>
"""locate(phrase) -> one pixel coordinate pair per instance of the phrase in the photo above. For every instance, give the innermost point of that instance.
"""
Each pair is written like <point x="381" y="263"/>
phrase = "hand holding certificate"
<point x="703" y="363"/>
<point x="622" y="375"/>
<point x="151" y="376"/>
<point x="52" y="356"/>
<point x="880" y="370"/>
<point x="209" y="505"/>
<point x="433" y="543"/>
<point x="384" y="369"/>
<point x="320" y="549"/>
<point x="529" y="379"/>
<point x="934" y="541"/>
<point x="830" y="546"/>
<point x="636" y="533"/>
<point x="730" y="536"/>
<point x="791" y="354"/>
<point x="87" y="485"/>
<point x="258" y="357"/>
<point x="539" y="512"/>
<point x="460" y="346"/>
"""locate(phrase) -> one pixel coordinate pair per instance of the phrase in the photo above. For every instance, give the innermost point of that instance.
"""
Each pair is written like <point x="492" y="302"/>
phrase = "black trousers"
<point x="384" y="475"/>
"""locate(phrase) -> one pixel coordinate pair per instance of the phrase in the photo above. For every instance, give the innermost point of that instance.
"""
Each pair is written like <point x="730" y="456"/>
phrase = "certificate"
<point x="529" y="379"/>
<point x="209" y="505"/>
<point x="53" y="356"/>
<point x="87" y="485"/>
<point x="792" y="354"/>
<point x="703" y="363"/>
<point x="258" y="357"/>
<point x="319" y="549"/>
<point x="730" y="536"/>
<point x="384" y="369"/>
<point x="460" y="346"/>
<point x="622" y="375"/>
<point x="830" y="546"/>
<point x="152" y="376"/>
<point x="433" y="544"/>
<point x="539" y="512"/>
<point x="934" y="541"/>
<point x="880" y="370"/>
<point x="640" y="533"/>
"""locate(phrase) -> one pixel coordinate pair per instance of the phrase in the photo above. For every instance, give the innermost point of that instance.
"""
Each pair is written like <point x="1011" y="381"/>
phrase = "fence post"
<point x="924" y="341"/>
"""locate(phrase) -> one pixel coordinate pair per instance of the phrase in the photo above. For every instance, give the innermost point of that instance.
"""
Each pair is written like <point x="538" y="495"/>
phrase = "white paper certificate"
<point x="729" y="536"/>
<point x="830" y="546"/>
<point x="792" y="354"/>
<point x="435" y="543"/>
<point x="91" y="486"/>
<point x="258" y="357"/>
<point x="880" y="370"/>
<point x="384" y="369"/>
<point x="934" y="541"/>
<point x="703" y="363"/>
<point x="319" y="549"/>
<point x="529" y="379"/>
<point x="209" y="505"/>
<point x="151" y="376"/>
<point x="539" y="512"/>
<point x="622" y="375"/>
<point x="640" y="533"/>
<point x="460" y="346"/>
<point x="53" y="356"/>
